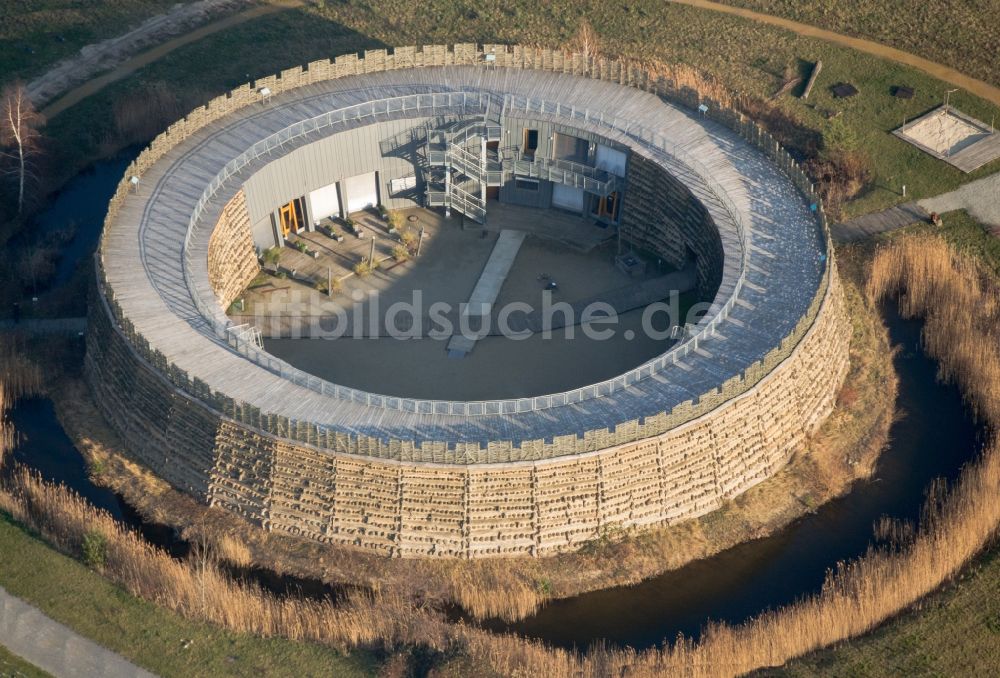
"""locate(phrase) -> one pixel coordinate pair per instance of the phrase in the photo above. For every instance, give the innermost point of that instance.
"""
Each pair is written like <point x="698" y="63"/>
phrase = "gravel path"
<point x="54" y="648"/>
<point x="868" y="225"/>
<point x="981" y="198"/>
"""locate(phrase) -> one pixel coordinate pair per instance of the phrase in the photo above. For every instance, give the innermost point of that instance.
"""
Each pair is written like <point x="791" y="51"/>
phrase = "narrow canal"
<point x="934" y="437"/>
<point x="731" y="586"/>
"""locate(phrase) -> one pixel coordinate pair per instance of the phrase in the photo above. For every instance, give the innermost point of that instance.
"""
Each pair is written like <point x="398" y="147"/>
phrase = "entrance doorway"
<point x="291" y="217"/>
<point x="530" y="144"/>
<point x="607" y="207"/>
<point x="362" y="192"/>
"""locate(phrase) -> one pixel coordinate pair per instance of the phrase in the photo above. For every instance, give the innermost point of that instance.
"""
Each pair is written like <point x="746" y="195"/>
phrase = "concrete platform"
<point x="573" y="230"/>
<point x="954" y="137"/>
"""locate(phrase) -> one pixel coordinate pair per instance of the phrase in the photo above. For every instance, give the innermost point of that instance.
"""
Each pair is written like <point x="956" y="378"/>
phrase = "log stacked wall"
<point x="412" y="510"/>
<point x="232" y="259"/>
<point x="659" y="214"/>
<point x="499" y="499"/>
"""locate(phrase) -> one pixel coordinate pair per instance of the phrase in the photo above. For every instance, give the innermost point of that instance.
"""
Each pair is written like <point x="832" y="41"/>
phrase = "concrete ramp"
<point x="487" y="288"/>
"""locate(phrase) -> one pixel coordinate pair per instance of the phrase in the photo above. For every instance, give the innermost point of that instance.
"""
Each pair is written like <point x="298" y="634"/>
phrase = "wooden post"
<point x="371" y="253"/>
<point x="812" y="79"/>
<point x="420" y="240"/>
<point x="329" y="281"/>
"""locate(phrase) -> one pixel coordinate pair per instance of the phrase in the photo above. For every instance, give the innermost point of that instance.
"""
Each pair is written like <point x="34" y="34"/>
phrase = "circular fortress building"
<point x="467" y="131"/>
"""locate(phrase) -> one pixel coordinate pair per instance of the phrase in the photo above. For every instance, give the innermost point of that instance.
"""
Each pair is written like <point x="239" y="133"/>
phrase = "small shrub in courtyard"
<point x="271" y="255"/>
<point x="365" y="267"/>
<point x="409" y="238"/>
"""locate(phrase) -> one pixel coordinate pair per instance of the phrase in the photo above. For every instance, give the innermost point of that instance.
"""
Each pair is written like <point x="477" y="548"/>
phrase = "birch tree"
<point x="19" y="136"/>
<point x="586" y="41"/>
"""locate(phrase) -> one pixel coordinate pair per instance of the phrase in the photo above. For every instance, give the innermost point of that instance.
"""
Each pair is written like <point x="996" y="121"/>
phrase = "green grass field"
<point x="149" y="635"/>
<point x="34" y="34"/>
<point x="746" y="56"/>
<point x="959" y="33"/>
<point x="954" y="632"/>
<point x="12" y="666"/>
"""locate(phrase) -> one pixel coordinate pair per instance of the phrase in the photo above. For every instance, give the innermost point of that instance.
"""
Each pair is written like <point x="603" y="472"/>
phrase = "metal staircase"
<point x="458" y="167"/>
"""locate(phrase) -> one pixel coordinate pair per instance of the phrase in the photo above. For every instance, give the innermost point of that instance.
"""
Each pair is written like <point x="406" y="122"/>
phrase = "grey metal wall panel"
<point x="331" y="159"/>
<point x="542" y="198"/>
<point x="263" y="232"/>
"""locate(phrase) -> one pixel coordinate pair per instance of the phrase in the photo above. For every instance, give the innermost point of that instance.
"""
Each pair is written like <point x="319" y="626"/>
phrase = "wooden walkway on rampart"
<point x="144" y="255"/>
<point x="879" y="222"/>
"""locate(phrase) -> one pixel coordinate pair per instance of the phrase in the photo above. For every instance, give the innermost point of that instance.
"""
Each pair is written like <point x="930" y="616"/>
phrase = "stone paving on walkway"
<point x="981" y="198"/>
<point x="868" y="225"/>
<point x="54" y="647"/>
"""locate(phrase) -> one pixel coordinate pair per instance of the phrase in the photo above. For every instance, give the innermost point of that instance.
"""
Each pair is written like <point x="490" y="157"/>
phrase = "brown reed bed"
<point x="6" y="430"/>
<point x="18" y="377"/>
<point x="198" y="589"/>
<point x="959" y="303"/>
<point x="961" y="308"/>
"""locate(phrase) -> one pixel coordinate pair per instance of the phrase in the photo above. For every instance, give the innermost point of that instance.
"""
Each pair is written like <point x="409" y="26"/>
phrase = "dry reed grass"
<point x="945" y="289"/>
<point x="18" y="375"/>
<point x="6" y="430"/>
<point x="931" y="281"/>
<point x="233" y="551"/>
<point x="684" y="76"/>
<point x="960" y="303"/>
<point x="198" y="589"/>
<point x="488" y="589"/>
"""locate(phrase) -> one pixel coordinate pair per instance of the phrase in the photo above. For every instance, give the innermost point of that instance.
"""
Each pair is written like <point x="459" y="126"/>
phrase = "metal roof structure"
<point x="155" y="256"/>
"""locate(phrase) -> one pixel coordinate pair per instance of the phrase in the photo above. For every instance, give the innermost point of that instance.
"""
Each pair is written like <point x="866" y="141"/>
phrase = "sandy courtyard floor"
<point x="498" y="367"/>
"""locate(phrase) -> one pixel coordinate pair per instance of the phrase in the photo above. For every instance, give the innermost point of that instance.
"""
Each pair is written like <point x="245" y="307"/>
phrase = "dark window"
<point x="526" y="184"/>
<point x="568" y="147"/>
<point x="530" y="142"/>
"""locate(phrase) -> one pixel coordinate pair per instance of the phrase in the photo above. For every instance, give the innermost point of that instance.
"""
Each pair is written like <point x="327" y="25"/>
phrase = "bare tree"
<point x="19" y="135"/>
<point x="586" y="41"/>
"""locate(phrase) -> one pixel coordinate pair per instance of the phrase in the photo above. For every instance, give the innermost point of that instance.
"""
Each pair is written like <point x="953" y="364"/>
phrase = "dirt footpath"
<point x="107" y="54"/>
